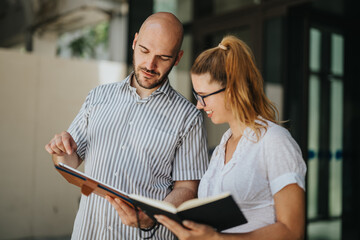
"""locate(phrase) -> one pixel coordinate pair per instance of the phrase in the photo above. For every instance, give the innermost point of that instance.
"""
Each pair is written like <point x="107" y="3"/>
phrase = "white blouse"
<point x="256" y="172"/>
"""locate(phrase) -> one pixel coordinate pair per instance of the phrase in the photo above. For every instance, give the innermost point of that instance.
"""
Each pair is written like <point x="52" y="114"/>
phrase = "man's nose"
<point x="151" y="63"/>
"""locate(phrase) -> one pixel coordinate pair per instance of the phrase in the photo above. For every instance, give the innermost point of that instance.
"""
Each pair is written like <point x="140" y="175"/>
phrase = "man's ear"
<point x="135" y="40"/>
<point x="178" y="57"/>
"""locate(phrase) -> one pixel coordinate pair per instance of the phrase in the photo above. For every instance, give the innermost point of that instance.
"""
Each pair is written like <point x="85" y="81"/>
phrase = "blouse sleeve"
<point x="284" y="161"/>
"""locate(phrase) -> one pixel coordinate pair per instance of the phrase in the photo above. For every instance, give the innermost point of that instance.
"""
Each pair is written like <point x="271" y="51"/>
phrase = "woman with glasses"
<point x="257" y="160"/>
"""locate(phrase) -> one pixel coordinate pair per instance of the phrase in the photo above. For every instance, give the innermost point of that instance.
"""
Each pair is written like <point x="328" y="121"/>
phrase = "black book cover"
<point x="220" y="214"/>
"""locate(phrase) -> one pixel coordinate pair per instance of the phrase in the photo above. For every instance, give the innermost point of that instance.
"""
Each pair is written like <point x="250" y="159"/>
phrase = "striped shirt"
<point x="138" y="146"/>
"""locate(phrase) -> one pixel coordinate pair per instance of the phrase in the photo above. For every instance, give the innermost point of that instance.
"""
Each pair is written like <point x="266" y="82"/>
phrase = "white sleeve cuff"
<point x="282" y="181"/>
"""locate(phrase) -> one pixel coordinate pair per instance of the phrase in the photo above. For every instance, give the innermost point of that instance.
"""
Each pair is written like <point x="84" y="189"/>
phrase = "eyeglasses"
<point x="200" y="98"/>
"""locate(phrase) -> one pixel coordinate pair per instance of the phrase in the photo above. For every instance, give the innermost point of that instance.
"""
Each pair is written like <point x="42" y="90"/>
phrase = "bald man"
<point x="139" y="136"/>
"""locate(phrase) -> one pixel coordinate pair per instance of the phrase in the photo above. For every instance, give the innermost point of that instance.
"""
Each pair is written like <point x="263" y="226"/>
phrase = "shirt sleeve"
<point x="191" y="157"/>
<point x="284" y="161"/>
<point x="78" y="128"/>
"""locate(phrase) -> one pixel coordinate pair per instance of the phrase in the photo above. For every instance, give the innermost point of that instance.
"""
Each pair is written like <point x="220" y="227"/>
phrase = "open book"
<point x="220" y="212"/>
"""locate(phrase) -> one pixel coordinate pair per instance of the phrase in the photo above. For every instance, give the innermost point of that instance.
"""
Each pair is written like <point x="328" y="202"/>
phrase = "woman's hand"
<point x="194" y="230"/>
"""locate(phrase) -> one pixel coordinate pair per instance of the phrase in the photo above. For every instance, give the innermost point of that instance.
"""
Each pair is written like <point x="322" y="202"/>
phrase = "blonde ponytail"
<point x="232" y="64"/>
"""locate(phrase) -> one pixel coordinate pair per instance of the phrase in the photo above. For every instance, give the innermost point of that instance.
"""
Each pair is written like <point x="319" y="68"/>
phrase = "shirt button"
<point x="109" y="228"/>
<point x="116" y="173"/>
<point x="123" y="147"/>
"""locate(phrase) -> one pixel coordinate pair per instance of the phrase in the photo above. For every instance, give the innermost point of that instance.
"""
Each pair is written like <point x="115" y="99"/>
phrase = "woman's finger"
<point x="173" y="226"/>
<point x="192" y="225"/>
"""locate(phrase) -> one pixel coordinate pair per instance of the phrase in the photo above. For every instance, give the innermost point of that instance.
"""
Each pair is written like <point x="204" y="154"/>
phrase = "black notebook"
<point x="221" y="211"/>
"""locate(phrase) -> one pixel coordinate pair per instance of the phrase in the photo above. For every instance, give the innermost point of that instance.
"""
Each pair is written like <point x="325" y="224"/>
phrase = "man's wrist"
<point x="149" y="226"/>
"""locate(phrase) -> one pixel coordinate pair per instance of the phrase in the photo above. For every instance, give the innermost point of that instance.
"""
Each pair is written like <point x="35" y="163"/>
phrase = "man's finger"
<point x="125" y="218"/>
<point x="68" y="142"/>
<point x="59" y="143"/>
<point x="116" y="206"/>
<point x="67" y="146"/>
<point x="129" y="211"/>
<point x="55" y="148"/>
<point x="48" y="149"/>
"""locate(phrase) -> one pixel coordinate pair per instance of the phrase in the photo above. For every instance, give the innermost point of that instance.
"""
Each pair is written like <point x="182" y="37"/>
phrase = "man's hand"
<point x="128" y="214"/>
<point x="62" y="144"/>
<point x="63" y="149"/>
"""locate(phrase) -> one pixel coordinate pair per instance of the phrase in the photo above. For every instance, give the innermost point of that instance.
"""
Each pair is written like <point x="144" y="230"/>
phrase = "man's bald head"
<point x="156" y="50"/>
<point x="164" y="23"/>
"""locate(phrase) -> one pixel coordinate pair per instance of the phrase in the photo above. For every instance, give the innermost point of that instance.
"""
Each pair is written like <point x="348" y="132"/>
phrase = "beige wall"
<point x="39" y="96"/>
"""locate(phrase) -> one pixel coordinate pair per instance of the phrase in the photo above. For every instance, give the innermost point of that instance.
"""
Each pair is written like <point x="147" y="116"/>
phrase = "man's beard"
<point x="155" y="84"/>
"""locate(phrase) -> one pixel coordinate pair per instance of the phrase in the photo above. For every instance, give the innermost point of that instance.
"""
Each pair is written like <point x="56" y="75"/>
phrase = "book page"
<point x="155" y="203"/>
<point x="200" y="201"/>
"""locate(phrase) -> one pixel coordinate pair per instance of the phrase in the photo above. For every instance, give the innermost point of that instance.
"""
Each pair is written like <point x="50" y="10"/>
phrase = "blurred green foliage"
<point x="91" y="37"/>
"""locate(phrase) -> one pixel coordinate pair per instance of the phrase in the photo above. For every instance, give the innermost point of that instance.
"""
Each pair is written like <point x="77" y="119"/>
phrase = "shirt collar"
<point x="165" y="88"/>
<point x="248" y="133"/>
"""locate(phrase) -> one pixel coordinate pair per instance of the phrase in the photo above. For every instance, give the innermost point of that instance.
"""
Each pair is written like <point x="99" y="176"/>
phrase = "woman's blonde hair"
<point x="232" y="65"/>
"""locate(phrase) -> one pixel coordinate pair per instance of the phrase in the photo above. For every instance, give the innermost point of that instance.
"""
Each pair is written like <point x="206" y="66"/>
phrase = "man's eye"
<point x="165" y="58"/>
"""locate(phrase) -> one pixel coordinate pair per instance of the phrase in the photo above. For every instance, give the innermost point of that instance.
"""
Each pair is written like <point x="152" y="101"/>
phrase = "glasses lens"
<point x="198" y="98"/>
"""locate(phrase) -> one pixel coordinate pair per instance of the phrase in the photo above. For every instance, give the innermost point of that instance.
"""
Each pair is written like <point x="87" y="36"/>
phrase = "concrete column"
<point x="118" y="38"/>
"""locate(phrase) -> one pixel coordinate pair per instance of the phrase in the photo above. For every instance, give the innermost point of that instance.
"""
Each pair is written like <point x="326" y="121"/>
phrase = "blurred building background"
<point x="52" y="52"/>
